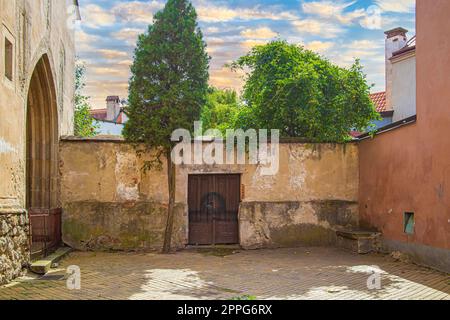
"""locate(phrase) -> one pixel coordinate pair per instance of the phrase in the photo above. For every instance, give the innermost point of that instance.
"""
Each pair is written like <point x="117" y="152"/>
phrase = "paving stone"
<point x="295" y="274"/>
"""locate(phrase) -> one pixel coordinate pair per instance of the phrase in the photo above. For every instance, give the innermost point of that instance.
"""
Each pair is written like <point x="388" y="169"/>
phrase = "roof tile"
<point x="379" y="100"/>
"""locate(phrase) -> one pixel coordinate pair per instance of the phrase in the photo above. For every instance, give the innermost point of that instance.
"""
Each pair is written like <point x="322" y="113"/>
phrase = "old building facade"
<point x="396" y="183"/>
<point x="36" y="91"/>
<point x="405" y="171"/>
<point x="112" y="119"/>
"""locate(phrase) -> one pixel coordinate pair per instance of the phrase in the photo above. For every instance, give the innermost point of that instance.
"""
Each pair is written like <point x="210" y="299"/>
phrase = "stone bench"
<point x="359" y="241"/>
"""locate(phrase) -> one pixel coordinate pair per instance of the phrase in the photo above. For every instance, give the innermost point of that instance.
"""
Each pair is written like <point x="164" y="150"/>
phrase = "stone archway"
<point x="42" y="159"/>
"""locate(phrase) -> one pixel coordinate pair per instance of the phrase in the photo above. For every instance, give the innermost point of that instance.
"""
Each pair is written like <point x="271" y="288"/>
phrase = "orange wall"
<point x="408" y="169"/>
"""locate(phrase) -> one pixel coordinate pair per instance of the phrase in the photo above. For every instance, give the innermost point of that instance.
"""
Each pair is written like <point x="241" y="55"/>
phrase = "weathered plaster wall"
<point x="408" y="169"/>
<point x="404" y="86"/>
<point x="316" y="186"/>
<point x="109" y="203"/>
<point x="35" y="28"/>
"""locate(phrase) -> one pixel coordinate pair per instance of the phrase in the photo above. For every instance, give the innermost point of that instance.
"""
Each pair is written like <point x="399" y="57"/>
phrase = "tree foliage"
<point x="220" y="110"/>
<point x="84" y="124"/>
<point x="302" y="94"/>
<point x="169" y="79"/>
<point x="168" y="86"/>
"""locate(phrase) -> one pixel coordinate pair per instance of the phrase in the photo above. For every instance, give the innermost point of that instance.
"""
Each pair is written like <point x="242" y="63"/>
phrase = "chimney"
<point x="395" y="40"/>
<point x="113" y="106"/>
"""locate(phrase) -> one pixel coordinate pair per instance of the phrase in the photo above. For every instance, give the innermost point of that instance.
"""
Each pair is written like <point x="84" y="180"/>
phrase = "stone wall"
<point x="14" y="245"/>
<point x="38" y="31"/>
<point x="109" y="203"/>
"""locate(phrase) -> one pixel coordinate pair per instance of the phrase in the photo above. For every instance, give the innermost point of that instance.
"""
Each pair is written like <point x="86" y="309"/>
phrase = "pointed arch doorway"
<point x="42" y="161"/>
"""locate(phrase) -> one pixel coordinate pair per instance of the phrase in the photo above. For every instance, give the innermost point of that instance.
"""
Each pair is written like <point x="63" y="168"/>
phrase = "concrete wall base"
<point x="433" y="257"/>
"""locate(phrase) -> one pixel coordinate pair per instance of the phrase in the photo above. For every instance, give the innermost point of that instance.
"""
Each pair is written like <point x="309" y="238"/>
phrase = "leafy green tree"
<point x="84" y="124"/>
<point x="220" y="110"/>
<point x="302" y="94"/>
<point x="168" y="87"/>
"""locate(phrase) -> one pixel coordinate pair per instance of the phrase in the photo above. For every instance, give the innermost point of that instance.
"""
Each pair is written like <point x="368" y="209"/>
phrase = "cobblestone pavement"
<point x="303" y="273"/>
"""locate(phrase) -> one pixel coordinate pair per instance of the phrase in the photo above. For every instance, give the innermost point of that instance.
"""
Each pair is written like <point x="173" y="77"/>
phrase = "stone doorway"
<point x="42" y="159"/>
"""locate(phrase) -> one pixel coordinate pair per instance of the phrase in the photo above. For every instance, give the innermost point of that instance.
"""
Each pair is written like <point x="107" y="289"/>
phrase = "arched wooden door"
<point x="42" y="159"/>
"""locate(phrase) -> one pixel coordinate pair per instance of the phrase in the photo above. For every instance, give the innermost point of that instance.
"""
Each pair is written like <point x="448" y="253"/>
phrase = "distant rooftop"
<point x="395" y="32"/>
<point x="113" y="98"/>
<point x="379" y="100"/>
<point x="410" y="46"/>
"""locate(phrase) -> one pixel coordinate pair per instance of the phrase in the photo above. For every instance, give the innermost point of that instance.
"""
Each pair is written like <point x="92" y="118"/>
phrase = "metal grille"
<point x="45" y="231"/>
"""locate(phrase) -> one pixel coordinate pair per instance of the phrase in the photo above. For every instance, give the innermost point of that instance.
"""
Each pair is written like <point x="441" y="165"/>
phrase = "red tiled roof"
<point x="102" y="115"/>
<point x="99" y="114"/>
<point x="355" y="134"/>
<point x="120" y="118"/>
<point x="379" y="99"/>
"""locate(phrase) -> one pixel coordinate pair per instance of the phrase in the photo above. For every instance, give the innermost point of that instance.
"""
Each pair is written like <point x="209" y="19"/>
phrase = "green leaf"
<point x="302" y="94"/>
<point x="169" y="82"/>
<point x="84" y="124"/>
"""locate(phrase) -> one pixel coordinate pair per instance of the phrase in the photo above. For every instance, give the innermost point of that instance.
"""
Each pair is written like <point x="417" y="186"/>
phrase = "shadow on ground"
<point x="301" y="273"/>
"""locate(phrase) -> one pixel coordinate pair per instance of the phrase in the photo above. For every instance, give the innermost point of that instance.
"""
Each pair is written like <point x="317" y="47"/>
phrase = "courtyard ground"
<point x="302" y="273"/>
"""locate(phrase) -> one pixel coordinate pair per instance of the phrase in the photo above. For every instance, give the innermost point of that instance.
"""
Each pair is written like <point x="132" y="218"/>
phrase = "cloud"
<point x="84" y="40"/>
<point x="333" y="28"/>
<point x="99" y="90"/>
<point x="214" y="41"/>
<point x="316" y="27"/>
<point x="333" y="10"/>
<point x="259" y="33"/>
<point x="127" y="62"/>
<point x="129" y="35"/>
<point x="398" y="6"/>
<point x="212" y="30"/>
<point x="216" y="14"/>
<point x="212" y="13"/>
<point x="338" y="12"/>
<point x="370" y="52"/>
<point x="83" y="37"/>
<point x="319" y="46"/>
<point x="137" y="11"/>
<point x="224" y="78"/>
<point x="109" y="71"/>
<point x="366" y="44"/>
<point x="249" y="44"/>
<point x="325" y="9"/>
<point x="95" y="16"/>
<point x="112" y="54"/>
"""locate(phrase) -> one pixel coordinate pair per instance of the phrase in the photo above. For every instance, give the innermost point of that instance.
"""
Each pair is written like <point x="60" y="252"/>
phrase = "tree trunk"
<point x="171" y="175"/>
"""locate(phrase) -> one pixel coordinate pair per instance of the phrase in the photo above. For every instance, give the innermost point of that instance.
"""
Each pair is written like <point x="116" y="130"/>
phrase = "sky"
<point x="340" y="30"/>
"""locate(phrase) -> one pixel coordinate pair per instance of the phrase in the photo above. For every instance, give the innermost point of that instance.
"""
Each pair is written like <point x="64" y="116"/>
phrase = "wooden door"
<point x="213" y="209"/>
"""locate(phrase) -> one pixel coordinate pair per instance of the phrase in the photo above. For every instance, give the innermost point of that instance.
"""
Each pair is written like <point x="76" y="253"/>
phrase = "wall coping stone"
<point x="120" y="139"/>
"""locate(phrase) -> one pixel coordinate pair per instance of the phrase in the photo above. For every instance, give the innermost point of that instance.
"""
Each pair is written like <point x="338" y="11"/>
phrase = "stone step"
<point x="359" y="241"/>
<point x="44" y="265"/>
<point x="214" y="246"/>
